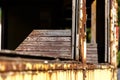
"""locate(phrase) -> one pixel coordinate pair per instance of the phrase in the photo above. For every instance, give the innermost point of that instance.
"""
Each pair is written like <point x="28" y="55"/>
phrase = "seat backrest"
<point x="47" y="43"/>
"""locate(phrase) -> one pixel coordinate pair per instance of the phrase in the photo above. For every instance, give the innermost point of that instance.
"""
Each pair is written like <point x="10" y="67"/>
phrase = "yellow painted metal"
<point x="96" y="74"/>
<point x="113" y="23"/>
<point x="27" y="69"/>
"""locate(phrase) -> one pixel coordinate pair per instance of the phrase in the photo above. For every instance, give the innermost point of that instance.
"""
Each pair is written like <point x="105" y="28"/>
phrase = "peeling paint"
<point x="96" y="74"/>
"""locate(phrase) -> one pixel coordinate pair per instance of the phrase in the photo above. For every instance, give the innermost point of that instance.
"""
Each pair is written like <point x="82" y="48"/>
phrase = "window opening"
<point x="24" y="16"/>
<point x="88" y="22"/>
<point x="91" y="21"/>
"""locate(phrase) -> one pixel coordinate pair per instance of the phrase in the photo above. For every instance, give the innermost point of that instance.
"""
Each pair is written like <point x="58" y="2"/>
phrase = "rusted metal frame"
<point x="22" y="64"/>
<point x="116" y="24"/>
<point x="106" y="30"/>
<point x="108" y="23"/>
<point x="77" y="56"/>
<point x="82" y="33"/>
<point x="75" y="33"/>
<point x="113" y="49"/>
<point x="73" y="28"/>
<point x="58" y="75"/>
<point x="111" y="34"/>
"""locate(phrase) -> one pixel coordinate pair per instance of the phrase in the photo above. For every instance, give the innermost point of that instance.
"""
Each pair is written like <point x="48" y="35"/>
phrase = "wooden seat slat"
<point x="50" y="43"/>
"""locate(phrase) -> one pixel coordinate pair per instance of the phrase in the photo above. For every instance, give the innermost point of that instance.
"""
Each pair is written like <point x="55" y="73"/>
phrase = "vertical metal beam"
<point x="81" y="29"/>
<point x="75" y="34"/>
<point x="73" y="29"/>
<point x="113" y="21"/>
<point x="93" y="22"/>
<point x="77" y="30"/>
<point x="108" y="24"/>
<point x="106" y="30"/>
<point x="75" y="37"/>
<point x="111" y="33"/>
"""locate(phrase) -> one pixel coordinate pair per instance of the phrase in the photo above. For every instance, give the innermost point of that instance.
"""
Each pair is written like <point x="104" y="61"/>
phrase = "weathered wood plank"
<point x="60" y="54"/>
<point x="91" y="52"/>
<point x="92" y="60"/>
<point x="47" y="43"/>
<point x="91" y="45"/>
<point x="45" y="48"/>
<point x="73" y="27"/>
<point x="92" y="55"/>
<point x="91" y="49"/>
<point x="50" y="33"/>
<point x="38" y="39"/>
<point x="34" y="54"/>
<point x="51" y="52"/>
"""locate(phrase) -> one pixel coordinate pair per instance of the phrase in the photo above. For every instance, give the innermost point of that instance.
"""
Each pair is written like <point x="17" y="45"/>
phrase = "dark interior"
<point x="100" y="23"/>
<point x="88" y="22"/>
<point x="20" y="17"/>
<point x="100" y="27"/>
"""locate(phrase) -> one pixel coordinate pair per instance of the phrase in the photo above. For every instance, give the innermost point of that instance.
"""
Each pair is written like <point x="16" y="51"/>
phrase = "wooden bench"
<point x="53" y="43"/>
<point x="47" y="43"/>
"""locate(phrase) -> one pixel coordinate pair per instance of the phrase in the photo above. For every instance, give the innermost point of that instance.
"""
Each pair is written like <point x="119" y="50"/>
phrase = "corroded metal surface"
<point x="30" y="69"/>
<point x="113" y="24"/>
<point x="81" y="29"/>
<point x="22" y="64"/>
<point x="16" y="68"/>
<point x="59" y="75"/>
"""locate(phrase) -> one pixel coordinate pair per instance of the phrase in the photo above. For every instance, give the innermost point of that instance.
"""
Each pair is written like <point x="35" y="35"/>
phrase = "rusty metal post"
<point x="76" y="6"/>
<point x="81" y="28"/>
<point x="113" y="21"/>
<point x="82" y="34"/>
<point x="73" y="28"/>
<point x="106" y="29"/>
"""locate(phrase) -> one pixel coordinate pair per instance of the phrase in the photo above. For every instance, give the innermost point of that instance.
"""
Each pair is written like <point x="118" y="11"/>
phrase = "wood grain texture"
<point x="47" y="43"/>
<point x="38" y="39"/>
<point x="43" y="48"/>
<point x="44" y="43"/>
<point x="92" y="55"/>
<point x="51" y="33"/>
